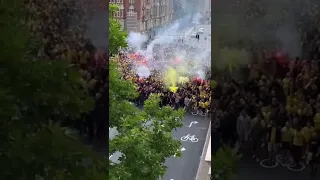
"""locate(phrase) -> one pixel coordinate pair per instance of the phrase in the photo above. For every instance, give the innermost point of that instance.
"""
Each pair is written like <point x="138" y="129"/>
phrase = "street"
<point x="205" y="38"/>
<point x="185" y="167"/>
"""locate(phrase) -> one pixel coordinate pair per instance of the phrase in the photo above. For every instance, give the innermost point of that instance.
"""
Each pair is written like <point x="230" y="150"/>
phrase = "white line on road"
<point x="182" y="149"/>
<point x="110" y="156"/>
<point x="193" y="122"/>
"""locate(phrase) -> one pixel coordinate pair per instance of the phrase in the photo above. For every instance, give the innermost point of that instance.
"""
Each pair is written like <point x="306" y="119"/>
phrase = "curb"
<point x="202" y="158"/>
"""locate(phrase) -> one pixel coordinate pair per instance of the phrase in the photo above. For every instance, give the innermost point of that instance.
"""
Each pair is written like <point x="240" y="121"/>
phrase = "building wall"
<point x="148" y="16"/>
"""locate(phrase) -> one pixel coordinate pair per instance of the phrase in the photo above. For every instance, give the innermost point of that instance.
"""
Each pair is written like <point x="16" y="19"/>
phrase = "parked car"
<point x="201" y="31"/>
<point x="194" y="34"/>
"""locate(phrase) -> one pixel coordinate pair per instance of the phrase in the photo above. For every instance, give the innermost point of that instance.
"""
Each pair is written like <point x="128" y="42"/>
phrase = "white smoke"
<point x="136" y="40"/>
<point x="201" y="74"/>
<point x="143" y="71"/>
<point x="172" y="48"/>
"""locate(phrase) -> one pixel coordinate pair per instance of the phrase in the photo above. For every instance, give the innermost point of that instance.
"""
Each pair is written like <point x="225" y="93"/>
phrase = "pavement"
<point x="205" y="166"/>
<point x="186" y="167"/>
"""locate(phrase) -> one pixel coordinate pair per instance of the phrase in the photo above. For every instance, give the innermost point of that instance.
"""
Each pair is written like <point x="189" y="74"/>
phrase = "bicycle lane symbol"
<point x="189" y="137"/>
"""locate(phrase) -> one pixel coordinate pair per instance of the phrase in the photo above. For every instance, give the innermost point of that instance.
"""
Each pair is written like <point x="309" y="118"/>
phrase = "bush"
<point x="225" y="164"/>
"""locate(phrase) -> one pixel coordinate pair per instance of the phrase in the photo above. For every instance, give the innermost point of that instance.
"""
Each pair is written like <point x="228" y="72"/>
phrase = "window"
<point x="121" y="12"/>
<point x="118" y="1"/>
<point x="131" y="1"/>
<point x="131" y="12"/>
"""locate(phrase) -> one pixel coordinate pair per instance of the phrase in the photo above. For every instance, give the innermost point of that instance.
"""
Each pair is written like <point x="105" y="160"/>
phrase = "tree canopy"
<point x="46" y="78"/>
<point x="117" y="37"/>
<point x="36" y="96"/>
<point x="145" y="135"/>
<point x="225" y="163"/>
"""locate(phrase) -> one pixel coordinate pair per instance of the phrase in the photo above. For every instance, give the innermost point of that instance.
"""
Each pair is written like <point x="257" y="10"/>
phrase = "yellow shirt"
<point x="289" y="100"/>
<point x="298" y="139"/>
<point x="273" y="135"/>
<point x="307" y="133"/>
<point x="316" y="120"/>
<point x="202" y="95"/>
<point x="285" y="82"/>
<point x="286" y="134"/>
<point x="290" y="109"/>
<point x="266" y="115"/>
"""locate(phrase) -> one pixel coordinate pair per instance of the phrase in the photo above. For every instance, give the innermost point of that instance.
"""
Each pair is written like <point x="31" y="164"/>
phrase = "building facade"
<point x="146" y="16"/>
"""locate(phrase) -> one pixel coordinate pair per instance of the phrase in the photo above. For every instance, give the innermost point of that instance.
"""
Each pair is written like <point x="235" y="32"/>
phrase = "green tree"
<point x="36" y="95"/>
<point x="225" y="164"/>
<point x="145" y="135"/>
<point x="117" y="37"/>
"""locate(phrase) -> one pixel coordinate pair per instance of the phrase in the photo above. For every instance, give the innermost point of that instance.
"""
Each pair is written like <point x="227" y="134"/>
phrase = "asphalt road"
<point x="185" y="167"/>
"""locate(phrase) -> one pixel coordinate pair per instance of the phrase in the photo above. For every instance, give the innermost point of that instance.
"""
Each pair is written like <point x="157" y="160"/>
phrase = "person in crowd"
<point x="273" y="138"/>
<point x="243" y="128"/>
<point x="313" y="154"/>
<point x="257" y="132"/>
<point x="297" y="145"/>
<point x="286" y="139"/>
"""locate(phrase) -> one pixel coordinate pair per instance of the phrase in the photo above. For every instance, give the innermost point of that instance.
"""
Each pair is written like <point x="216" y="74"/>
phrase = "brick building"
<point x="147" y="16"/>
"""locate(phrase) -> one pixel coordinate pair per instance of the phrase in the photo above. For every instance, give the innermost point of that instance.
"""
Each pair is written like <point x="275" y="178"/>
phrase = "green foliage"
<point x="145" y="136"/>
<point x="117" y="37"/>
<point x="35" y="96"/>
<point x="225" y="164"/>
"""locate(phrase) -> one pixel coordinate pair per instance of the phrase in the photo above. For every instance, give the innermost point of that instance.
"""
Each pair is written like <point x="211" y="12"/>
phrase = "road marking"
<point x="182" y="149"/>
<point x="188" y="32"/>
<point x="110" y="156"/>
<point x="189" y="137"/>
<point x="171" y="179"/>
<point x="193" y="122"/>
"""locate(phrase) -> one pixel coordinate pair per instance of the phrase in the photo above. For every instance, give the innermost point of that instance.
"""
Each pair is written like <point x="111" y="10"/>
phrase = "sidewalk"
<point x="205" y="166"/>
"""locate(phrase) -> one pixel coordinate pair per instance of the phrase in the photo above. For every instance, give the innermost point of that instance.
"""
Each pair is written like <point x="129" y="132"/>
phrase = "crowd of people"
<point x="194" y="95"/>
<point x="274" y="117"/>
<point x="61" y="27"/>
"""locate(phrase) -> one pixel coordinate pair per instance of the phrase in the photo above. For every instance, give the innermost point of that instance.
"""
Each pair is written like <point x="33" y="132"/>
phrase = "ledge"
<point x="208" y="154"/>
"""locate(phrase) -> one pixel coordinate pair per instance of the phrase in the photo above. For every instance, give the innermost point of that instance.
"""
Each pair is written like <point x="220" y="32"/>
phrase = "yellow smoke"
<point x="182" y="70"/>
<point x="173" y="89"/>
<point x="171" y="77"/>
<point x="183" y="80"/>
